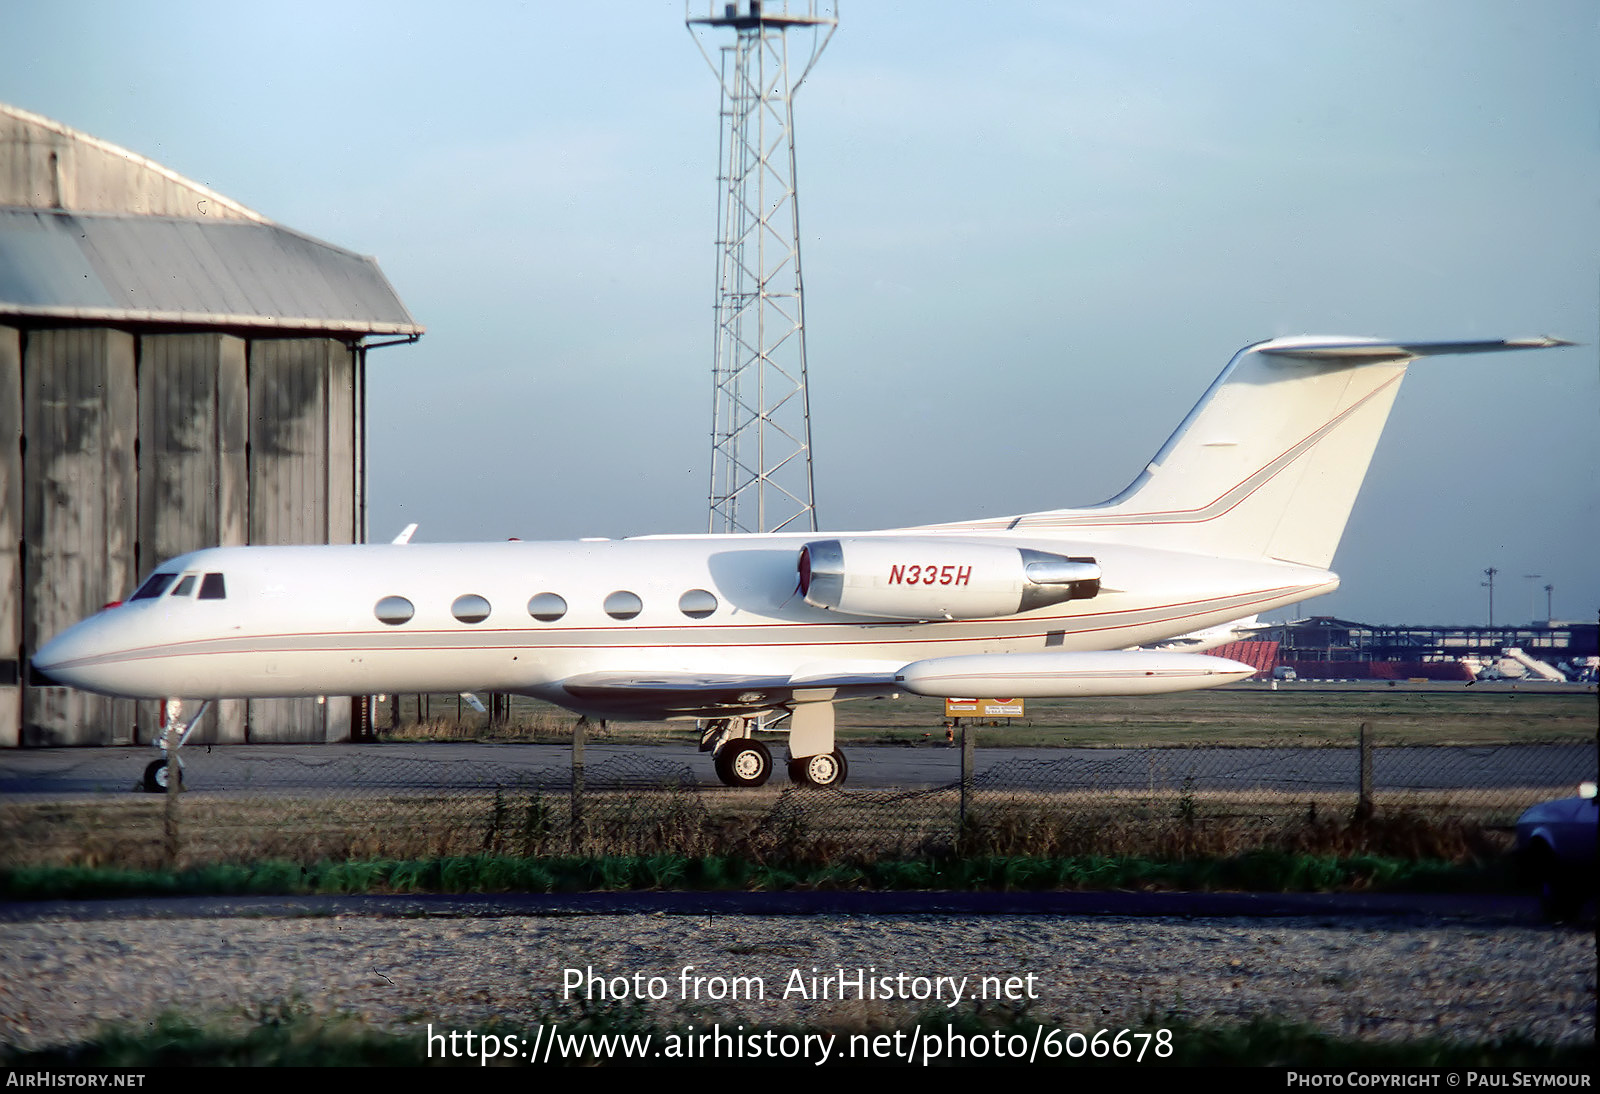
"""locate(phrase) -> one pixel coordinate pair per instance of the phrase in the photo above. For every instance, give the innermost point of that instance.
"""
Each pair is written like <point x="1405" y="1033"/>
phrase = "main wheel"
<point x="155" y="776"/>
<point x="744" y="762"/>
<point x="823" y="769"/>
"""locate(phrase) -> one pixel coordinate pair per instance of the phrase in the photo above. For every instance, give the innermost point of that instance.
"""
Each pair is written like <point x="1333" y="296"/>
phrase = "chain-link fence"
<point x="426" y="801"/>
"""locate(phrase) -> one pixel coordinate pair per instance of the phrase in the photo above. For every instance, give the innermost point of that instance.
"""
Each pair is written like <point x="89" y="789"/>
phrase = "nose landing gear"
<point x="156" y="776"/>
<point x="158" y="773"/>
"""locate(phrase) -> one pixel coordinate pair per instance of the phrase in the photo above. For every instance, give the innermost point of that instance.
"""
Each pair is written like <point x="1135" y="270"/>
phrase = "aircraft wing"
<point x="1059" y="674"/>
<point x="709" y="695"/>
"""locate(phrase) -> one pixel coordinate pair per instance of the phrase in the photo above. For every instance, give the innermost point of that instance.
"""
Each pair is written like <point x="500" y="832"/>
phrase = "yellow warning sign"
<point x="983" y="708"/>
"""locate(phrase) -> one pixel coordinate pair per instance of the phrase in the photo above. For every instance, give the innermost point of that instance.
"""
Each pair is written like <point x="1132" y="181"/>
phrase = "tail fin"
<point x="1269" y="462"/>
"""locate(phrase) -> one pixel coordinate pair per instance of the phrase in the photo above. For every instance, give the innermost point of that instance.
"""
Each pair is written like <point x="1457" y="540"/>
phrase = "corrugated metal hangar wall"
<point x="166" y="383"/>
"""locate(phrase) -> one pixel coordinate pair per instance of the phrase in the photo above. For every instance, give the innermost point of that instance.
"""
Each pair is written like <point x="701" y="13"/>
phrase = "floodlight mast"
<point x="761" y="479"/>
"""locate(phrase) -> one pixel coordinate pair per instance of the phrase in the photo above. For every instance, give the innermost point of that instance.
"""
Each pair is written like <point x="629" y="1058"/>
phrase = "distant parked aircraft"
<point x="1210" y="638"/>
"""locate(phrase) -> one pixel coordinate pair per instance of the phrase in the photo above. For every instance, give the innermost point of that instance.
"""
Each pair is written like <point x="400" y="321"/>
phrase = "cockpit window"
<point x="154" y="586"/>
<point x="212" y="588"/>
<point x="184" y="587"/>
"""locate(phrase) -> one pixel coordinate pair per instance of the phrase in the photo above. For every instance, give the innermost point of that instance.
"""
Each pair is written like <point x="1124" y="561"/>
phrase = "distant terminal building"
<point x="176" y="372"/>
<point x="1325" y="648"/>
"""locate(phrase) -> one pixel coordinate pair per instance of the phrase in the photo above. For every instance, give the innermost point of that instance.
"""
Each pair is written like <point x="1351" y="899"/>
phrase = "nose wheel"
<point x="824" y="769"/>
<point x="156" y="776"/>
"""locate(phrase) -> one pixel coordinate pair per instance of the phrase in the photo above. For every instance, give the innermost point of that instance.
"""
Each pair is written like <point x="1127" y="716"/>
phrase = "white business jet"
<point x="1239" y="513"/>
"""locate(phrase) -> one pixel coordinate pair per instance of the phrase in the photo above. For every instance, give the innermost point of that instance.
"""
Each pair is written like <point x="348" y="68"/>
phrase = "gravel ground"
<point x="1387" y="978"/>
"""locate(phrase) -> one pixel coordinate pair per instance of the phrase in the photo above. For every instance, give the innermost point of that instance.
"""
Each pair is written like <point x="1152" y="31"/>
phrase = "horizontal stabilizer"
<point x="1357" y="351"/>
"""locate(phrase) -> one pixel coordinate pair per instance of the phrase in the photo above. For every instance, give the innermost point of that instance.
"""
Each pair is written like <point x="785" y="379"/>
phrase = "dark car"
<point x="1556" y="851"/>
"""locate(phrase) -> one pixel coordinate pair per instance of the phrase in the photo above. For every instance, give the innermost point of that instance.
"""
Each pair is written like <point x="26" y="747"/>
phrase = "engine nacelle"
<point x="905" y="578"/>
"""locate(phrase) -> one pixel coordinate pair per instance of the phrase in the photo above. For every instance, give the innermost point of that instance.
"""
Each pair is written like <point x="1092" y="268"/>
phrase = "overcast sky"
<point x="1033" y="233"/>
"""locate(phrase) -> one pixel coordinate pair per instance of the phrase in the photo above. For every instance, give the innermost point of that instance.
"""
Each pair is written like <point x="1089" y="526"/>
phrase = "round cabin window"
<point x="623" y="604"/>
<point x="547" y="607"/>
<point x="470" y="608"/>
<point x="394" y="610"/>
<point x="697" y="603"/>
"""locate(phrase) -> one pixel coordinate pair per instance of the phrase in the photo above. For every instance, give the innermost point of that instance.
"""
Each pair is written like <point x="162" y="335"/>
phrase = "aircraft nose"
<point x="68" y="659"/>
<point x="62" y="649"/>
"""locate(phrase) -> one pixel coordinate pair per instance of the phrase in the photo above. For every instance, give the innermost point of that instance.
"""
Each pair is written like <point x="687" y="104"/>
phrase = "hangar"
<point x="176" y="371"/>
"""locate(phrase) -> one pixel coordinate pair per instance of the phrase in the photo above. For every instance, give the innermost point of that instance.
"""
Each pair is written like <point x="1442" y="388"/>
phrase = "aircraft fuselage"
<point x="298" y="621"/>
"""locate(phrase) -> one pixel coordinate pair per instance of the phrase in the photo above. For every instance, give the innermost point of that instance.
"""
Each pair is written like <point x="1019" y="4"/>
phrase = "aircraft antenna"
<point x="761" y="477"/>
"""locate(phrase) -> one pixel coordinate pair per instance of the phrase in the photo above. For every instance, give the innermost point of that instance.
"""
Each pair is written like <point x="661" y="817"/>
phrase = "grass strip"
<point x="1256" y="871"/>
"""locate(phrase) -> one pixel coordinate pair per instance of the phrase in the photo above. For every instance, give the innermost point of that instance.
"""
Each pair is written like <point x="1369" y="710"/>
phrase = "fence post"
<point x="1364" y="806"/>
<point x="169" y="823"/>
<point x="579" y="731"/>
<point x="966" y="770"/>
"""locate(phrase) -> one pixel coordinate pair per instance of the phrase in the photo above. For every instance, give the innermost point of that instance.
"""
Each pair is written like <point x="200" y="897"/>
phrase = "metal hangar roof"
<point x="171" y="270"/>
<point x="90" y="232"/>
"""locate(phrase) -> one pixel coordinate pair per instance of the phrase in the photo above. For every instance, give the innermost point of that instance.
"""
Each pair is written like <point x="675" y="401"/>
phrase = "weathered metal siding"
<point x="289" y="439"/>
<point x="122" y="450"/>
<point x="341" y="462"/>
<point x="10" y="537"/>
<point x="79" y="401"/>
<point x="192" y="486"/>
<point x="207" y="440"/>
<point x="302" y="469"/>
<point x="46" y="165"/>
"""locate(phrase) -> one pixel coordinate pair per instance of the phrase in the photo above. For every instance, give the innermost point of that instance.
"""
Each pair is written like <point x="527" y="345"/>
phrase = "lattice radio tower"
<point x="761" y="414"/>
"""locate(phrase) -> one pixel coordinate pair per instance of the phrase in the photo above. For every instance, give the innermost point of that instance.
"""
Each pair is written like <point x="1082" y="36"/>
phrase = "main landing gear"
<point x="744" y="762"/>
<point x="741" y="760"/>
<point x="827" y="769"/>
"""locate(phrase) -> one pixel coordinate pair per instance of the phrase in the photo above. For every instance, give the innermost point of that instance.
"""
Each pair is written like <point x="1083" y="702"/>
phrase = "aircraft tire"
<point x="155" y="777"/>
<point x="824" y="769"/>
<point x="745" y="762"/>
